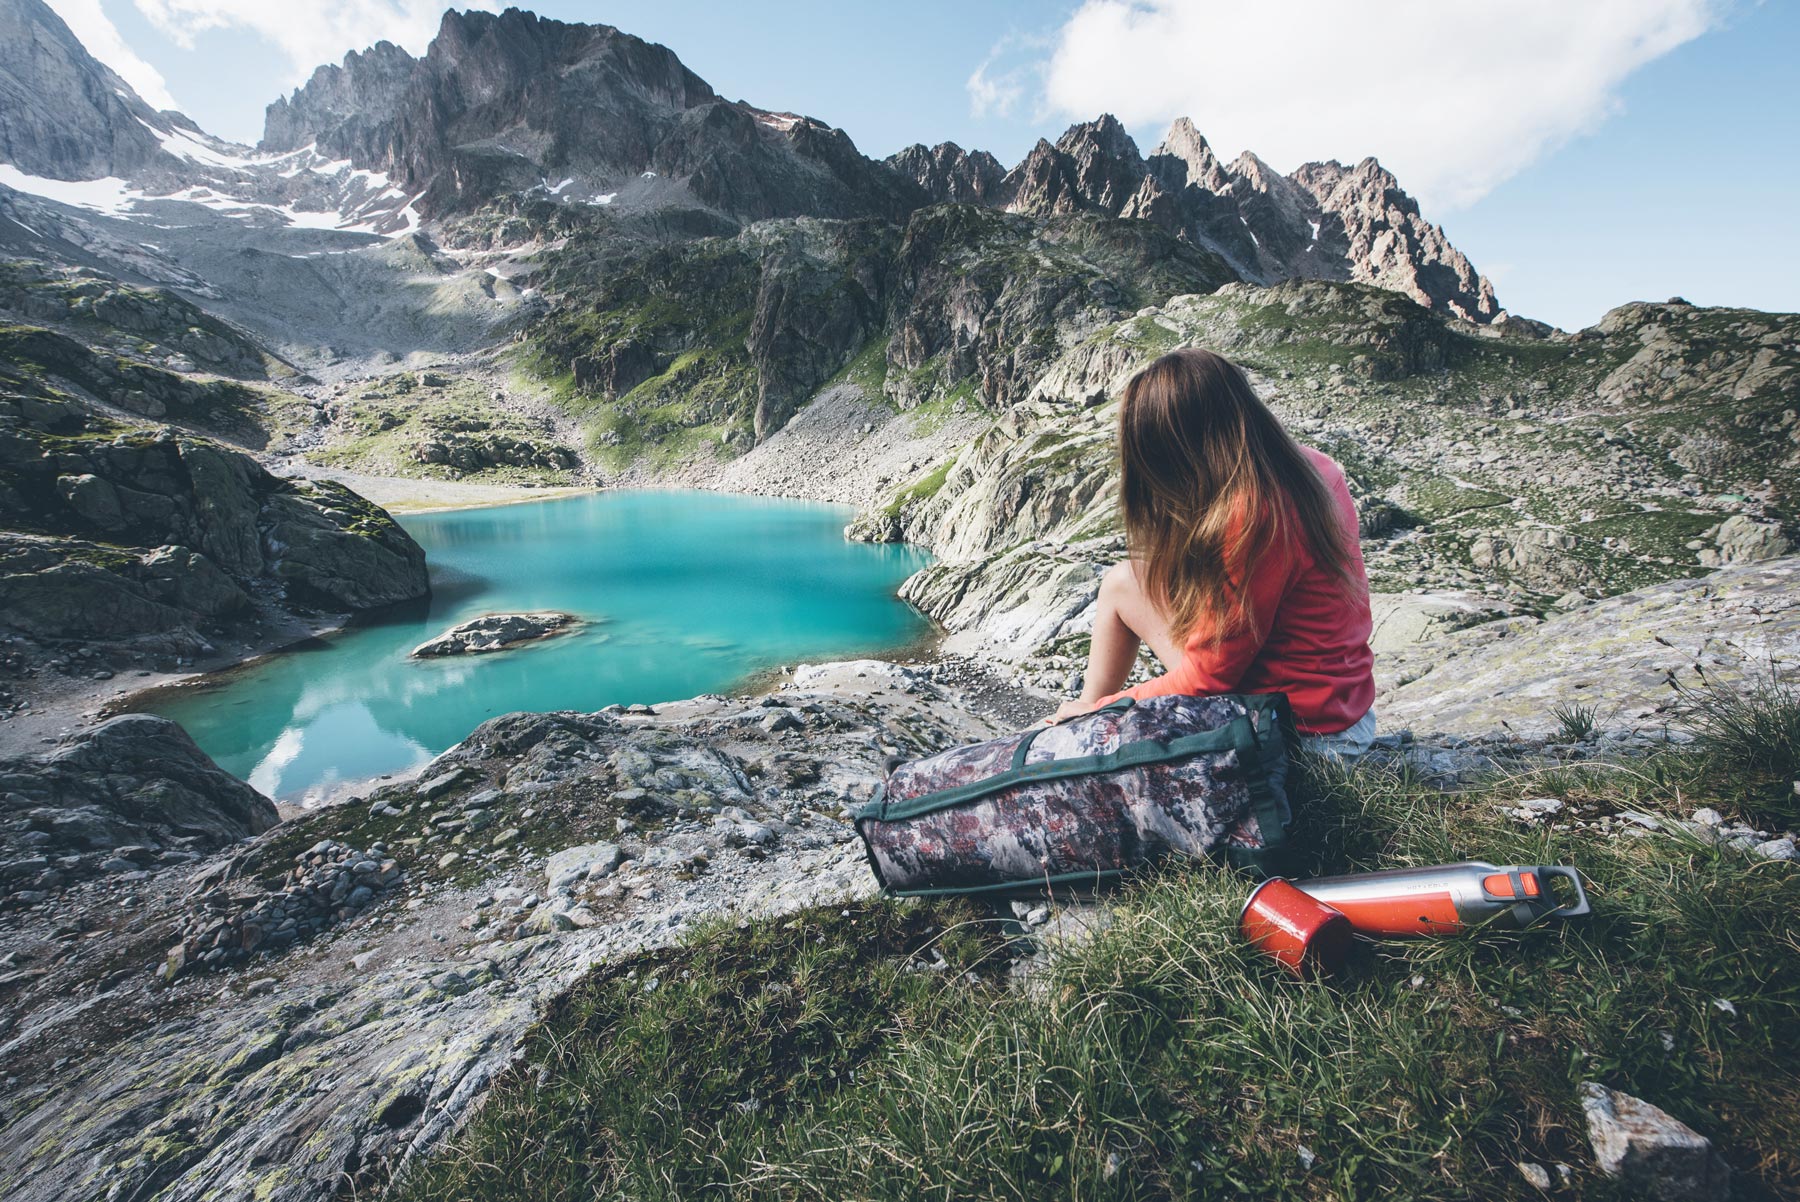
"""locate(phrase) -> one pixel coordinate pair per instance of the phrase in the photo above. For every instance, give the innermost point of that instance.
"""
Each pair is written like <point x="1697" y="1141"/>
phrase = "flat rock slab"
<point x="495" y="632"/>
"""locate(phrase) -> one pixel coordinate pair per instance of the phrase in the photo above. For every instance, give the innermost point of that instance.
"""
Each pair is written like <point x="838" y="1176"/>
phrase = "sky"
<point x="1582" y="153"/>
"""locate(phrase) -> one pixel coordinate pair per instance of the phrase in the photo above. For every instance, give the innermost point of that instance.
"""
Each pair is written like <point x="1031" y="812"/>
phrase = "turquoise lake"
<point x="683" y="593"/>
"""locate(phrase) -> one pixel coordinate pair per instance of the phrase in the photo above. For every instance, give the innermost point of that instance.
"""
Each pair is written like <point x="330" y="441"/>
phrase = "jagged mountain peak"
<point x="515" y="103"/>
<point x="1104" y="133"/>
<point x="1324" y="221"/>
<point x="511" y="104"/>
<point x="948" y="173"/>
<point x="1258" y="174"/>
<point x="1185" y="157"/>
<point x="335" y="91"/>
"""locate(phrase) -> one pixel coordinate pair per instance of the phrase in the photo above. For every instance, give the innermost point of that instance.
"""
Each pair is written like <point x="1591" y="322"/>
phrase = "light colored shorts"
<point x="1345" y="744"/>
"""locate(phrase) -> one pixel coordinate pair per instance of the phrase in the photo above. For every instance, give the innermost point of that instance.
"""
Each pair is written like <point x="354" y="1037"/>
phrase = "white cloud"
<point x="102" y="39"/>
<point x="308" y="33"/>
<point x="994" y="94"/>
<point x="1454" y="97"/>
<point x="1012" y="70"/>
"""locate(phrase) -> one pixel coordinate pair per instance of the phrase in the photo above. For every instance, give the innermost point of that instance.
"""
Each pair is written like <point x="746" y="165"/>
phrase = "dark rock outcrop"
<point x="735" y="332"/>
<point x="818" y="301"/>
<point x="990" y="297"/>
<point x="129" y="793"/>
<point x="114" y="535"/>
<point x="332" y="549"/>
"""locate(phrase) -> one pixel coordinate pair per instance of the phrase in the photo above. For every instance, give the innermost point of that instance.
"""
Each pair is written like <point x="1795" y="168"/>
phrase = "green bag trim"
<point x="1019" y="752"/>
<point x="1096" y="876"/>
<point x="1263" y="802"/>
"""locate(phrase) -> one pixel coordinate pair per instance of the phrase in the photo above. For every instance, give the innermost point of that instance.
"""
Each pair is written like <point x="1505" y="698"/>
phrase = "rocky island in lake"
<point x="494" y="632"/>
<point x="629" y="945"/>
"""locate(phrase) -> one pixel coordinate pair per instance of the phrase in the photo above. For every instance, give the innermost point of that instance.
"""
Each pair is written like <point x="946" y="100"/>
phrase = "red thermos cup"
<point x="1306" y="935"/>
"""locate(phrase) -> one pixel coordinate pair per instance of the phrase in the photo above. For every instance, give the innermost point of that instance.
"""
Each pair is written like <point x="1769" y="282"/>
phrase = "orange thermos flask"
<point x="1447" y="898"/>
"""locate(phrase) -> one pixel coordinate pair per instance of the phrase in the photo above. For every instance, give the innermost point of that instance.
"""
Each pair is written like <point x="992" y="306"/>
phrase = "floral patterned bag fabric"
<point x="1089" y="798"/>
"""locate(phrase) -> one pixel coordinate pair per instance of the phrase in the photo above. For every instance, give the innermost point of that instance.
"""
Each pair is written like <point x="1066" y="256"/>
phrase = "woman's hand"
<point x="1074" y="707"/>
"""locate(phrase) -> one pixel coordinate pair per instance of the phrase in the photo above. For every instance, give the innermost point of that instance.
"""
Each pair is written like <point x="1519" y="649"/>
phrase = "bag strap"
<point x="1111" y="707"/>
<point x="1264" y="805"/>
<point x="1234" y="736"/>
<point x="1018" y="758"/>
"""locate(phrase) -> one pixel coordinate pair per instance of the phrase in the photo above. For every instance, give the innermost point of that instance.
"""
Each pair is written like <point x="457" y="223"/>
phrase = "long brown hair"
<point x="1208" y="482"/>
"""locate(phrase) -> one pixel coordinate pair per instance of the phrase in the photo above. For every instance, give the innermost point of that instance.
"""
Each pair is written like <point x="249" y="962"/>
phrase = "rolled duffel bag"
<point x="1089" y="798"/>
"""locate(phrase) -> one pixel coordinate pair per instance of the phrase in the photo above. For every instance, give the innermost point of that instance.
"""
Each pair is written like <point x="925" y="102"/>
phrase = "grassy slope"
<point x="832" y="1055"/>
<point x="698" y="297"/>
<point x="384" y="425"/>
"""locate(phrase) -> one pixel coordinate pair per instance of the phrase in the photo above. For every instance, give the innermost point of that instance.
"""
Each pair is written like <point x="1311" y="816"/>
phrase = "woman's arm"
<point x="1217" y="667"/>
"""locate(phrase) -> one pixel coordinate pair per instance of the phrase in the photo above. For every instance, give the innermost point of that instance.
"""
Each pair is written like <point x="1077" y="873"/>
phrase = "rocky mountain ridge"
<point x="1323" y="221"/>
<point x="1542" y="471"/>
<point x="64" y="115"/>
<point x="73" y="132"/>
<point x="513" y="103"/>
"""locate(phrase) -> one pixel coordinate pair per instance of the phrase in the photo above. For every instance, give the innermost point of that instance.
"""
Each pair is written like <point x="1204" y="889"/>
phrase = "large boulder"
<point x="591" y="861"/>
<point x="1742" y="539"/>
<point x="135" y="782"/>
<point x="330" y="547"/>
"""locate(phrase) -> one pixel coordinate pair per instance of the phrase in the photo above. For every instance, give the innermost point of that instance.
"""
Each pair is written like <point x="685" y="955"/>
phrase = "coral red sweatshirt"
<point x="1308" y="638"/>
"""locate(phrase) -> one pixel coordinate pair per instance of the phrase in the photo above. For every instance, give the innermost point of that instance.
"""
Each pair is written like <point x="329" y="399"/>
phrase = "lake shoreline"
<point x="409" y="495"/>
<point x="64" y="707"/>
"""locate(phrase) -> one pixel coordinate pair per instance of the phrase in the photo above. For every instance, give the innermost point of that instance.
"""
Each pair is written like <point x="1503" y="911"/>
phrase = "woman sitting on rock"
<point x="1246" y="575"/>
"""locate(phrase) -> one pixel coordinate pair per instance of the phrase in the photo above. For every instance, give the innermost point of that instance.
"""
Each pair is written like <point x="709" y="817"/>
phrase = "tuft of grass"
<point x="829" y="1055"/>
<point x="1749" y="729"/>
<point x="1576" y="720"/>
